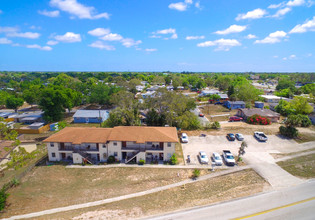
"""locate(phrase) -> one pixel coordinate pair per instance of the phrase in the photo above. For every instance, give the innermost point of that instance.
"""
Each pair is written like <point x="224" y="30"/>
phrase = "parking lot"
<point x="212" y="143"/>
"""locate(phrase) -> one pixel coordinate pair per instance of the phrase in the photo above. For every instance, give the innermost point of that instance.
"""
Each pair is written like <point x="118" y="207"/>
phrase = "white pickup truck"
<point x="260" y="136"/>
<point x="228" y="158"/>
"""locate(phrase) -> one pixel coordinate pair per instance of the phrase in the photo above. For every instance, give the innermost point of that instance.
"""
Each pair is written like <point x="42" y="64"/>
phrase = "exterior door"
<point x="162" y="145"/>
<point x="63" y="155"/>
<point x="124" y="144"/>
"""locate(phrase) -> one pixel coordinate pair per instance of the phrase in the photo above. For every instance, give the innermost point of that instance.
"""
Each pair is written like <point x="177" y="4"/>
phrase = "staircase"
<point x="84" y="155"/>
<point x="132" y="157"/>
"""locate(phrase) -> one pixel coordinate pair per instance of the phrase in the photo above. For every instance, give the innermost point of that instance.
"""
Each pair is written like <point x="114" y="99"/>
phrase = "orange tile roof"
<point x="78" y="135"/>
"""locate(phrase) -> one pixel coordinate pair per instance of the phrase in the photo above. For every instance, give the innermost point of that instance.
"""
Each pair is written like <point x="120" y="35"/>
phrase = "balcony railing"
<point x="72" y="148"/>
<point x="142" y="148"/>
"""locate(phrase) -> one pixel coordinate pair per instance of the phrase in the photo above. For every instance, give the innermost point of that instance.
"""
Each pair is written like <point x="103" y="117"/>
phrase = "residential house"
<point x="148" y="94"/>
<point x="245" y="113"/>
<point x="223" y="98"/>
<point x="272" y="106"/>
<point x="259" y="105"/>
<point x="125" y="143"/>
<point x="209" y="92"/>
<point x="235" y="104"/>
<point x="29" y="118"/>
<point x="254" y="77"/>
<point x="90" y="116"/>
<point x="273" y="98"/>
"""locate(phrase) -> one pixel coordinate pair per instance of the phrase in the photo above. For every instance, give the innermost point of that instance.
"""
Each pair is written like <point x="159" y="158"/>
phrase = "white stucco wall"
<point x="168" y="151"/>
<point x="112" y="149"/>
<point x="53" y="149"/>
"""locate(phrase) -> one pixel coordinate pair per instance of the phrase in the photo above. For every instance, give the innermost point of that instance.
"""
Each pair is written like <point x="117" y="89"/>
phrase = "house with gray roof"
<point x="90" y="116"/>
<point x="267" y="113"/>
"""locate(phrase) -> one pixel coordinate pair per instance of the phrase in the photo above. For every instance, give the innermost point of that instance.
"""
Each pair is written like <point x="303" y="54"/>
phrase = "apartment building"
<point x="125" y="143"/>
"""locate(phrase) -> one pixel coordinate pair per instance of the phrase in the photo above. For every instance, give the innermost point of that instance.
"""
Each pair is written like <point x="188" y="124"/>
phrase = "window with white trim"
<point x="169" y="144"/>
<point x="52" y="144"/>
<point x="53" y="154"/>
<point x="115" y="143"/>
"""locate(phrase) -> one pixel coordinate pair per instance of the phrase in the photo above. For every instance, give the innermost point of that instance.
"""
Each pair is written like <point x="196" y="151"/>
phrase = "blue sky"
<point x="157" y="35"/>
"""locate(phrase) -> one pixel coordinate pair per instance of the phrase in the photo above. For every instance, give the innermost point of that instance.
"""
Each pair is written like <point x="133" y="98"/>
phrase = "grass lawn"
<point x="240" y="184"/>
<point x="212" y="110"/>
<point x="303" y="166"/>
<point x="47" y="187"/>
<point x="84" y="125"/>
<point x="305" y="137"/>
<point x="8" y="174"/>
<point x="179" y="153"/>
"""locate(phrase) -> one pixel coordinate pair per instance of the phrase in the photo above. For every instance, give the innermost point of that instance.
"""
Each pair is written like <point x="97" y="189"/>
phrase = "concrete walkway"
<point x="133" y="195"/>
<point x="295" y="155"/>
<point x="160" y="166"/>
<point x="265" y="165"/>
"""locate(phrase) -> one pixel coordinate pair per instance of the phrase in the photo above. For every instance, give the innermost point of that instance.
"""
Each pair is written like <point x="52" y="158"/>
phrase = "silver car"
<point x="217" y="159"/>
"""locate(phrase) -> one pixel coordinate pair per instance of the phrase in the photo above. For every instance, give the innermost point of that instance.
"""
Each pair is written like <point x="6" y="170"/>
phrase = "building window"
<point x="53" y="154"/>
<point x="104" y="146"/>
<point x="52" y="144"/>
<point x="115" y="143"/>
<point x="115" y="154"/>
<point x="169" y="144"/>
<point x="149" y="143"/>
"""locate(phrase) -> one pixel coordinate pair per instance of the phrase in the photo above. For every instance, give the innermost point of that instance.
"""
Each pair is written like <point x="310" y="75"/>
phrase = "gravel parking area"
<point x="214" y="143"/>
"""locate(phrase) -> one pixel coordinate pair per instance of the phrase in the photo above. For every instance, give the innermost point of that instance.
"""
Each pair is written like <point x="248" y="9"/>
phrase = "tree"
<point x="301" y="106"/>
<point x="3" y="198"/>
<point x="52" y="103"/>
<point x="101" y="94"/>
<point x="8" y="134"/>
<point x="286" y="84"/>
<point x="284" y="108"/>
<point x="3" y="97"/>
<point x="298" y="121"/>
<point x="173" y="159"/>
<point x="241" y="151"/>
<point x="289" y="131"/>
<point x="14" y="102"/>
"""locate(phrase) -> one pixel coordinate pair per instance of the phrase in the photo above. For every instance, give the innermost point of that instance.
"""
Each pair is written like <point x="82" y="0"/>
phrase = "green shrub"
<point x="215" y="125"/>
<point x="298" y="121"/>
<point x="3" y="198"/>
<point x="141" y="162"/>
<point x="289" y="131"/>
<point x="111" y="159"/>
<point x="196" y="173"/>
<point x="173" y="160"/>
<point x="15" y="182"/>
<point x="266" y="107"/>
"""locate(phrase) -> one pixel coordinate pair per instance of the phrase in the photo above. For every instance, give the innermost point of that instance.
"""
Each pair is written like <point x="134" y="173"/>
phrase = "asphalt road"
<point x="296" y="202"/>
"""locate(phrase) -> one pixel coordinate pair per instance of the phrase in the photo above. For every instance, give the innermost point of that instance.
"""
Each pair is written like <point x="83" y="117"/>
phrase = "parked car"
<point x="230" y="137"/>
<point x="228" y="158"/>
<point x="218" y="103"/>
<point x="217" y="159"/>
<point x="239" y="137"/>
<point x="235" y="118"/>
<point x="203" y="157"/>
<point x="201" y="115"/>
<point x="260" y="136"/>
<point x="184" y="138"/>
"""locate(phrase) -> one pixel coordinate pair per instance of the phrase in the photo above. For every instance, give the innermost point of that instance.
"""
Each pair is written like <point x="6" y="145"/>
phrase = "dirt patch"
<point x="303" y="166"/>
<point x="240" y="184"/>
<point x="47" y="187"/>
<point x="238" y="127"/>
<point x="212" y="111"/>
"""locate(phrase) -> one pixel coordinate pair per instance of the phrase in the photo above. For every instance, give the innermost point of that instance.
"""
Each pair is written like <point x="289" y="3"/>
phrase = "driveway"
<point x="203" y="120"/>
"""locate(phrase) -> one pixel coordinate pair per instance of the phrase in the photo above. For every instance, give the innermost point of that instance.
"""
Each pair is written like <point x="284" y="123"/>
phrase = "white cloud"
<point x="255" y="14"/>
<point x="292" y="56"/>
<point x="101" y="45"/>
<point x="51" y="14"/>
<point x="30" y="35"/>
<point x="282" y="12"/>
<point x="294" y="3"/>
<point x="195" y="37"/>
<point x="69" y="37"/>
<point x="150" y="49"/>
<point x="129" y="42"/>
<point x="302" y="28"/>
<point x="112" y="37"/>
<point x="275" y="56"/>
<point x="164" y="32"/>
<point x="78" y="10"/>
<point x="36" y="46"/>
<point x="98" y="32"/>
<point x="272" y="38"/>
<point x="1" y="12"/>
<point x="232" y="29"/>
<point x="221" y="44"/>
<point x="8" y="29"/>
<point x="251" y="36"/>
<point x="197" y="5"/>
<point x="5" y="41"/>
<point x="273" y="6"/>
<point x="180" y="6"/>
<point x="52" y="42"/>
<point x="284" y="58"/>
<point x="309" y="55"/>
